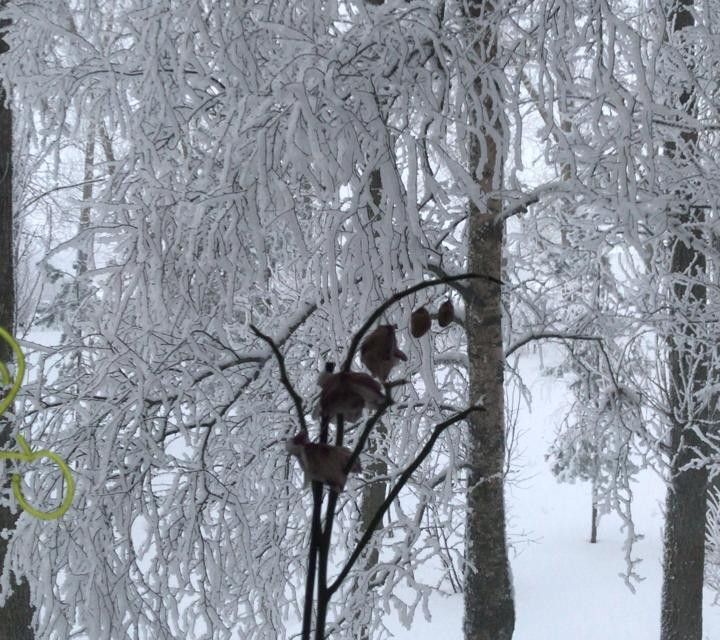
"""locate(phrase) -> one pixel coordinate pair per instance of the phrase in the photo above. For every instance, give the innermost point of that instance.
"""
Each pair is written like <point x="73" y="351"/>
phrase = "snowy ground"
<point x="566" y="588"/>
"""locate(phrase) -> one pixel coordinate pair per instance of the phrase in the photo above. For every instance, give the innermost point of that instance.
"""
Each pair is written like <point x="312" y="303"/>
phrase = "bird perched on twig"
<point x="322" y="462"/>
<point x="347" y="393"/>
<point x="379" y="352"/>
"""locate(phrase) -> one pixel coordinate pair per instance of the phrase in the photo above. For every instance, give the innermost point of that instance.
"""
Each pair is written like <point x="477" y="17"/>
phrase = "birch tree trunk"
<point x="16" y="613"/>
<point x="489" y="606"/>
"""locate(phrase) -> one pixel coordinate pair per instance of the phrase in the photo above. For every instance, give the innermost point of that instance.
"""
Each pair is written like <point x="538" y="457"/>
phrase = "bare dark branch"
<point x="401" y="482"/>
<point x="283" y="375"/>
<point x="447" y="280"/>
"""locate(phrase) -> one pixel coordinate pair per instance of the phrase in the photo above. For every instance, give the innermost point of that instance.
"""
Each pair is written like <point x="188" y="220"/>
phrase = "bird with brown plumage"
<point x="347" y="393"/>
<point x="322" y="462"/>
<point x="379" y="352"/>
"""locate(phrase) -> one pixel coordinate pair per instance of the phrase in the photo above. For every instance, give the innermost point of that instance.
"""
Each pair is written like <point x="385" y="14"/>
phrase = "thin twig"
<point x="371" y="422"/>
<point x="355" y="343"/>
<point x="567" y="336"/>
<point x="324" y="541"/>
<point x="284" y="376"/>
<point x="317" y="491"/>
<point x="401" y="482"/>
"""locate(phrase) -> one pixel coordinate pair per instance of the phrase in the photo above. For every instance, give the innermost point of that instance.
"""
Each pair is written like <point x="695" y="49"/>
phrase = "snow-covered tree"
<point x="16" y="614"/>
<point x="636" y="130"/>
<point x="288" y="165"/>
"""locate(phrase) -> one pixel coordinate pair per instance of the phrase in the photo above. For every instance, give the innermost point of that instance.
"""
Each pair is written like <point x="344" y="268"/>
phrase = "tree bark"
<point x="686" y="501"/>
<point x="489" y="606"/>
<point x="16" y="614"/>
<point x="594" y="516"/>
<point x="375" y="489"/>
<point x="684" y="552"/>
<point x="373" y="496"/>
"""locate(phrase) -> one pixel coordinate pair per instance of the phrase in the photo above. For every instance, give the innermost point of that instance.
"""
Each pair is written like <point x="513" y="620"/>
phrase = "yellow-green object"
<point x="26" y="454"/>
<point x="6" y="379"/>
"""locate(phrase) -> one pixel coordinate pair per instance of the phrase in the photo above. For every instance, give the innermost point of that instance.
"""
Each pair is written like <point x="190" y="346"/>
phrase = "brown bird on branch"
<point x="379" y="352"/>
<point x="322" y="462"/>
<point x="347" y="393"/>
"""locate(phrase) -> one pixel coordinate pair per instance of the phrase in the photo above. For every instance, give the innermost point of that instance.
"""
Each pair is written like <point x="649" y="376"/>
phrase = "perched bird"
<point x="322" y="462"/>
<point x="379" y="351"/>
<point x="347" y="393"/>
<point x="446" y="313"/>
<point x="420" y="322"/>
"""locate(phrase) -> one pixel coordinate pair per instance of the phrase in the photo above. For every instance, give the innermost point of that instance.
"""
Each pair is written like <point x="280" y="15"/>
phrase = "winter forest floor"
<point x="567" y="588"/>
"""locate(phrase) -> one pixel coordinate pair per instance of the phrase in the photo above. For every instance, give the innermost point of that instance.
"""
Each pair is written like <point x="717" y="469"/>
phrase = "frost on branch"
<point x="192" y="169"/>
<point x="328" y="464"/>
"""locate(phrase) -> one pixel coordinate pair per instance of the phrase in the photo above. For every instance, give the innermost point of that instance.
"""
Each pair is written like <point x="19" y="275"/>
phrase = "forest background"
<point x="181" y="169"/>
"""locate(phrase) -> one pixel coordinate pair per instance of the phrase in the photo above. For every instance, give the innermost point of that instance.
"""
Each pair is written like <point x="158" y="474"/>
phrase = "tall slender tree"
<point x="16" y="613"/>
<point x="489" y="604"/>
<point x="247" y="140"/>
<point x="689" y="364"/>
<point x="643" y="153"/>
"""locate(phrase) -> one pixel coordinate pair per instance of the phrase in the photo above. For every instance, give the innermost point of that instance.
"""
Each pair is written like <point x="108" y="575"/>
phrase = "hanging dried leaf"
<point x="420" y="322"/>
<point x="446" y="313"/>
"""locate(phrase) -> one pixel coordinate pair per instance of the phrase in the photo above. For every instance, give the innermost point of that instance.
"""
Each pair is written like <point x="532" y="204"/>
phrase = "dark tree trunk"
<point x="489" y="606"/>
<point x="16" y="615"/>
<point x="684" y="553"/>
<point x="686" y="502"/>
